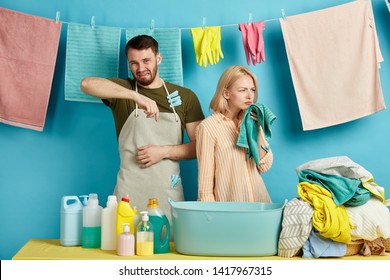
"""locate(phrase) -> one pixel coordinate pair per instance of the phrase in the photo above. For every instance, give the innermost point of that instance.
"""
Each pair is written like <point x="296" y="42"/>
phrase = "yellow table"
<point x="40" y="249"/>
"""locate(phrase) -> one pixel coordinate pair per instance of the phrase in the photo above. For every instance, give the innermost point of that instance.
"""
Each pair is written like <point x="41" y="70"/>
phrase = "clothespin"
<point x="283" y="14"/>
<point x="93" y="22"/>
<point x="152" y="25"/>
<point x="57" y="16"/>
<point x="250" y="19"/>
<point x="204" y="23"/>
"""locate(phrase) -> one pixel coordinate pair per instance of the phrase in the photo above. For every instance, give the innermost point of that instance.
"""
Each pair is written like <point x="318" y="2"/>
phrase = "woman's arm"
<point x="206" y="164"/>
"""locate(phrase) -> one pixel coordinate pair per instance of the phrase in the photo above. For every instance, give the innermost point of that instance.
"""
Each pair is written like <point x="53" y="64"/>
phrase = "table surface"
<point x="50" y="249"/>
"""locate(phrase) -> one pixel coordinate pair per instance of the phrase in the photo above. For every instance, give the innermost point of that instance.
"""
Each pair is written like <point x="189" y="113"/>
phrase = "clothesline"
<point x="182" y="28"/>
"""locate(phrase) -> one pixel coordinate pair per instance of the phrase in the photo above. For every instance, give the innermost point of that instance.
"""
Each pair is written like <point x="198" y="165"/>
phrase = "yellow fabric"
<point x="330" y="220"/>
<point x="207" y="44"/>
<point x="376" y="190"/>
<point x="40" y="249"/>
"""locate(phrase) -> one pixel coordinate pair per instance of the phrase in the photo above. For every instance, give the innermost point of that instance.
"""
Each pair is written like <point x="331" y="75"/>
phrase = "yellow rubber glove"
<point x="215" y="44"/>
<point x="206" y="52"/>
<point x="197" y="37"/>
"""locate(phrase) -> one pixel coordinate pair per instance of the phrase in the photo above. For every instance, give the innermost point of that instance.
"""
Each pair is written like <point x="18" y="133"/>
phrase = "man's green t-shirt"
<point x="189" y="111"/>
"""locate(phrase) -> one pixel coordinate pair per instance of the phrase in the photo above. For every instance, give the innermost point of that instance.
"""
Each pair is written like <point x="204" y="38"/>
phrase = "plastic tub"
<point x="226" y="228"/>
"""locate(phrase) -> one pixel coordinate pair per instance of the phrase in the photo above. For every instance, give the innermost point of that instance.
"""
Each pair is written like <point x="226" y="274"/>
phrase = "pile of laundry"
<point x="338" y="204"/>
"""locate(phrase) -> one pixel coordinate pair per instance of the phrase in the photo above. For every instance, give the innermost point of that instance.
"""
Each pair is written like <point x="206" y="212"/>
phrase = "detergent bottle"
<point x="92" y="223"/>
<point x="71" y="223"/>
<point x="161" y="227"/>
<point x="108" y="241"/>
<point x="124" y="214"/>
<point x="144" y="236"/>
<point x="126" y="242"/>
<point x="136" y="219"/>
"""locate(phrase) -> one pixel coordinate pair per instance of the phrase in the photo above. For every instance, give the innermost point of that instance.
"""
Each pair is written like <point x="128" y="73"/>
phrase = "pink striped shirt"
<point x="224" y="171"/>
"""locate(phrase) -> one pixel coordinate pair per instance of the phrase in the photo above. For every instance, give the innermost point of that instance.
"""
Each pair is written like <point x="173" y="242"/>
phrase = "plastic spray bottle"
<point x="108" y="241"/>
<point x="92" y="223"/>
<point x="125" y="214"/>
<point x="125" y="242"/>
<point x="161" y="227"/>
<point x="144" y="237"/>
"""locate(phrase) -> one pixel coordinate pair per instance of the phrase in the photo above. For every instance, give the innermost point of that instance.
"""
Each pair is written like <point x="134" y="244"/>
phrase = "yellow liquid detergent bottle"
<point x="144" y="238"/>
<point x="125" y="214"/>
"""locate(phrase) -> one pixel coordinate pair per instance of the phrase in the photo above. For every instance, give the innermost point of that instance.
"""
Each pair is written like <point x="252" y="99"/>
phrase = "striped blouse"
<point x="224" y="171"/>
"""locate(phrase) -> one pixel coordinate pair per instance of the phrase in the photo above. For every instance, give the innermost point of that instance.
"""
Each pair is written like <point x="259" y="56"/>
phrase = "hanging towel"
<point x="252" y="38"/>
<point x="333" y="56"/>
<point x="169" y="43"/>
<point x="249" y="130"/>
<point x="90" y="51"/>
<point x="28" y="52"/>
<point x="207" y="44"/>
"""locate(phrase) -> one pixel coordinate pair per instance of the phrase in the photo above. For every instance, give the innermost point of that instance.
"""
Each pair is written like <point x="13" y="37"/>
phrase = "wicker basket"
<point x="386" y="242"/>
<point x="354" y="247"/>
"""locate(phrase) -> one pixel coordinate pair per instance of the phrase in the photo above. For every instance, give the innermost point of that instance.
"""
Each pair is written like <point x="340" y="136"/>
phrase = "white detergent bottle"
<point x="71" y="221"/>
<point x="92" y="223"/>
<point x="108" y="241"/>
<point x="126" y="242"/>
<point x="144" y="238"/>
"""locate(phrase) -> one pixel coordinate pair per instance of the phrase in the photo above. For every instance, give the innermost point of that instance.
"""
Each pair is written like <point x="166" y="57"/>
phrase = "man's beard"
<point x="147" y="81"/>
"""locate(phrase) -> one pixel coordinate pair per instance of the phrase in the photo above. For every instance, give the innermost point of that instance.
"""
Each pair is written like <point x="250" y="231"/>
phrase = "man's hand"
<point x="150" y="154"/>
<point x="148" y="105"/>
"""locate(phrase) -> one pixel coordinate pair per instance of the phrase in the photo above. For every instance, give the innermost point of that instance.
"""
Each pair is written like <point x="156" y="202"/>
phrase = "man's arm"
<point x="105" y="89"/>
<point x="150" y="154"/>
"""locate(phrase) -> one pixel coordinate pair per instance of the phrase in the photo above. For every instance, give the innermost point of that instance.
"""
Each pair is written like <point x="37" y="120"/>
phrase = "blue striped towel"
<point x="90" y="52"/>
<point x="169" y="42"/>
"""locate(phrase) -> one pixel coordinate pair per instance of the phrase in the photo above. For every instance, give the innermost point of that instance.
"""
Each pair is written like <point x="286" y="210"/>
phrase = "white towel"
<point x="370" y="220"/>
<point x="333" y="56"/>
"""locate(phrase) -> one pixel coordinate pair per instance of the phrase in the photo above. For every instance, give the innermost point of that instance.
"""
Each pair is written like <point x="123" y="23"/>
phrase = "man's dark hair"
<point x="142" y="42"/>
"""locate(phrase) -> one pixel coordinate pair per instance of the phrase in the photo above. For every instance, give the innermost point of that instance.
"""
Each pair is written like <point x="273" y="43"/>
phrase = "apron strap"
<point x="173" y="108"/>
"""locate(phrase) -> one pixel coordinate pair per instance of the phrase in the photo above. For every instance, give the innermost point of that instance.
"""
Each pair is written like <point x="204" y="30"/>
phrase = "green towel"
<point x="90" y="52"/>
<point x="249" y="130"/>
<point x="345" y="191"/>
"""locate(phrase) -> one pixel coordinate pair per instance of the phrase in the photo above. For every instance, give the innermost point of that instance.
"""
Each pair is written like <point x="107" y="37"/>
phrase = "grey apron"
<point x="161" y="180"/>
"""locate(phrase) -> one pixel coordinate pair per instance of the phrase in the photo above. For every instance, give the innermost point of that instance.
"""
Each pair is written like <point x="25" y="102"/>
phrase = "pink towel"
<point x="333" y="56"/>
<point x="28" y="51"/>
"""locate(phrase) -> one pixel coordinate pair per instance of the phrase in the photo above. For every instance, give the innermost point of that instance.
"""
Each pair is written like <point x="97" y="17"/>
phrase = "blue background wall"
<point x="77" y="151"/>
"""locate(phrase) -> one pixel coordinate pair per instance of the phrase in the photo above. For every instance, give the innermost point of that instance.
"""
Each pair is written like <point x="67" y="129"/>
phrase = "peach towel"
<point x="28" y="52"/>
<point x="333" y="56"/>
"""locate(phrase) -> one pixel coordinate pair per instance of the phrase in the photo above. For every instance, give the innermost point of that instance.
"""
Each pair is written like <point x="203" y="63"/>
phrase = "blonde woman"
<point x="225" y="172"/>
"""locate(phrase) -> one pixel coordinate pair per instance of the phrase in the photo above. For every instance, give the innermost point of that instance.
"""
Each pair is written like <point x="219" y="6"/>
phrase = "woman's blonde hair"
<point x="227" y="79"/>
